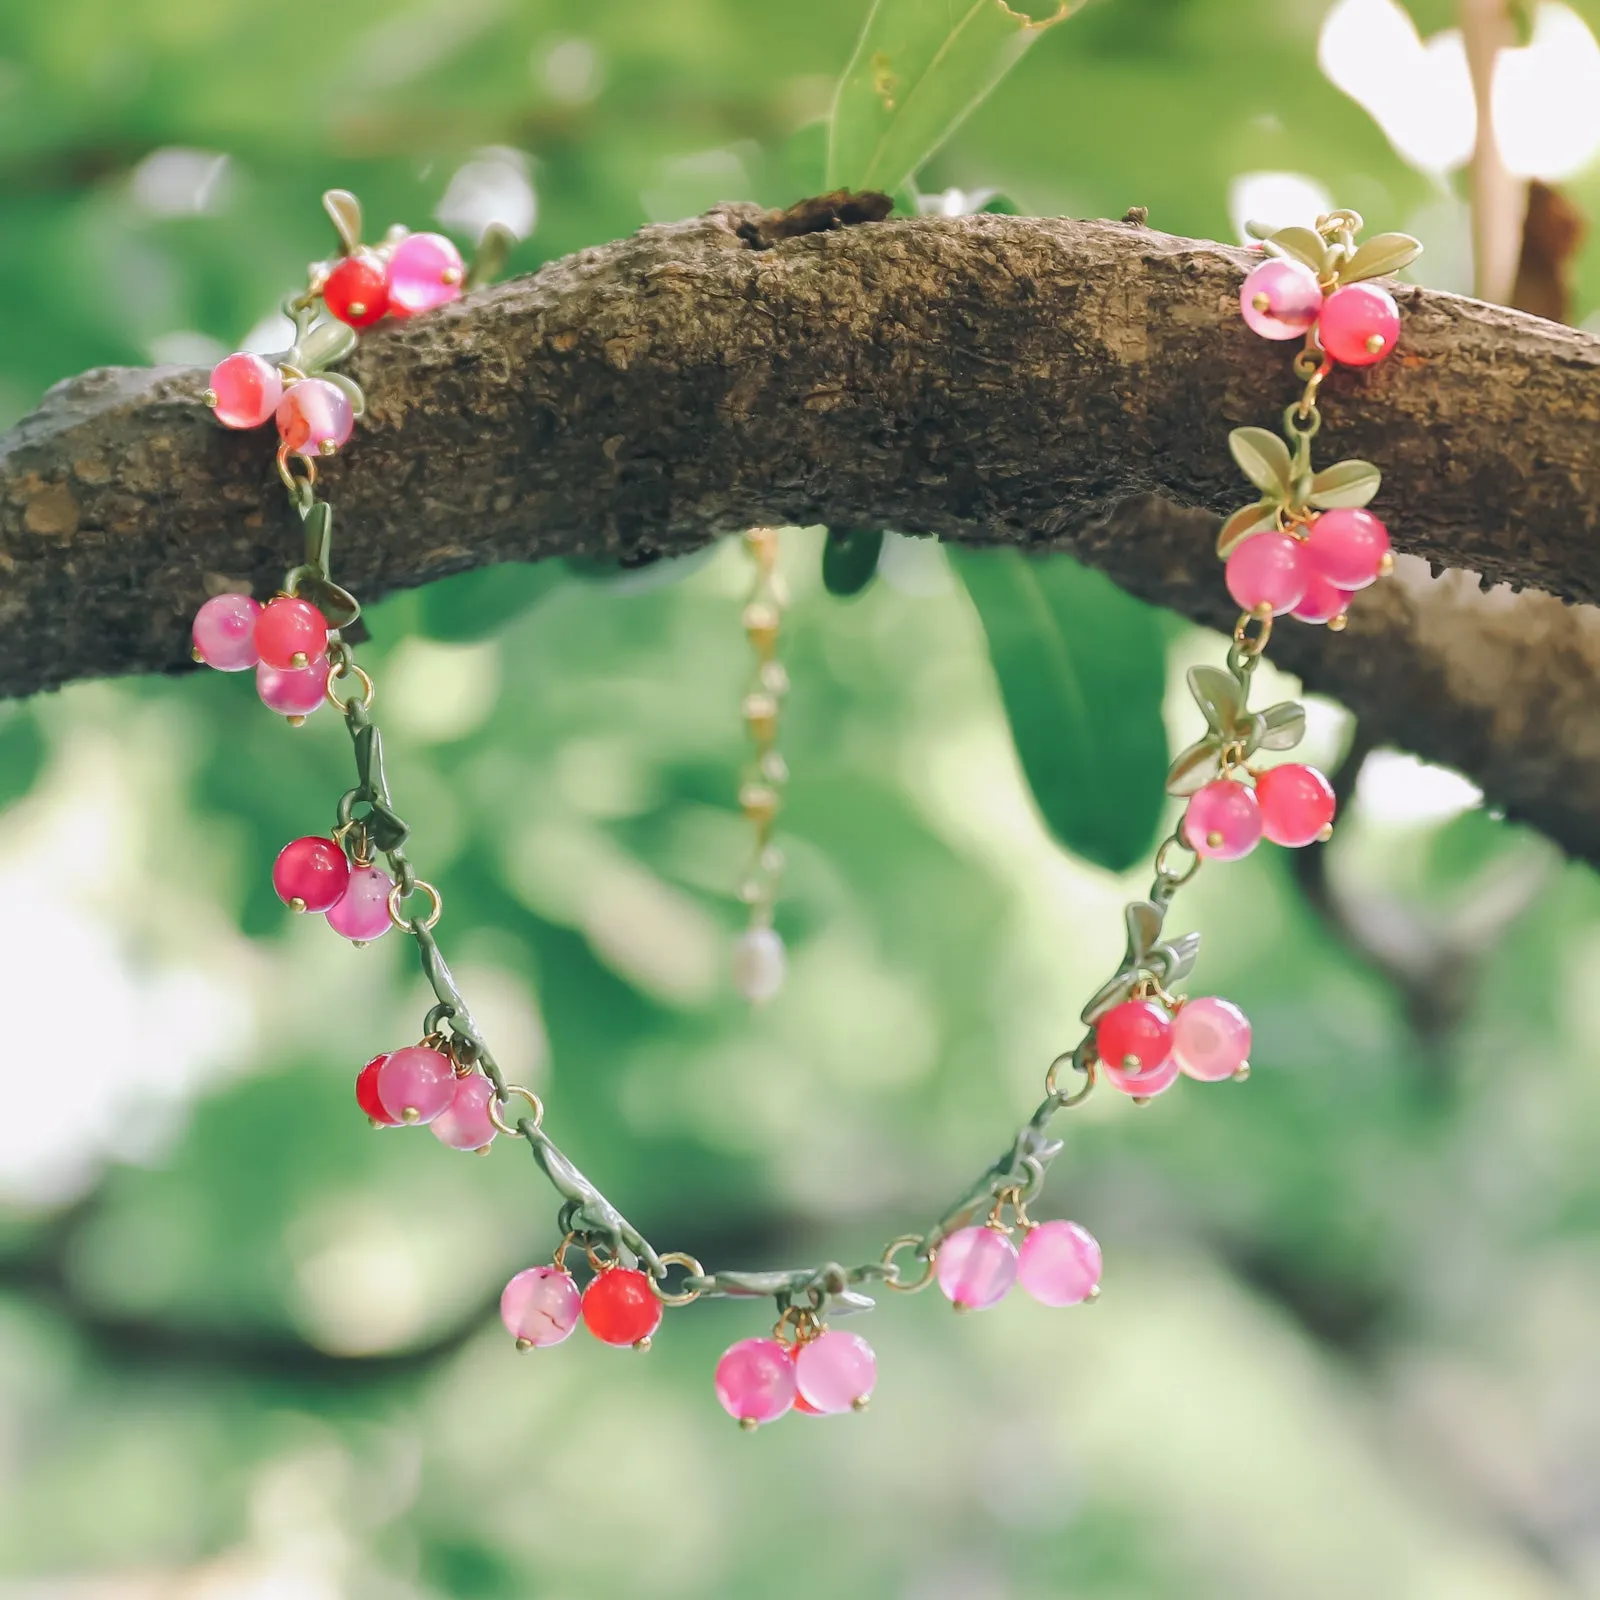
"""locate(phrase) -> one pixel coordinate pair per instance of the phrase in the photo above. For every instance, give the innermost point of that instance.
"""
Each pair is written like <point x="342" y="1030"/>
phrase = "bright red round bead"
<point x="1348" y="547"/>
<point x="290" y="633"/>
<point x="1135" y="1037"/>
<point x="1359" y="324"/>
<point x="1296" y="803"/>
<point x="367" y="1092"/>
<point x="620" y="1307"/>
<point x="357" y="291"/>
<point x="311" y="874"/>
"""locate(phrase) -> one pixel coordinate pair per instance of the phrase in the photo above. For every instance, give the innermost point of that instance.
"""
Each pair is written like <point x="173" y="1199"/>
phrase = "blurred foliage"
<point x="247" y="1345"/>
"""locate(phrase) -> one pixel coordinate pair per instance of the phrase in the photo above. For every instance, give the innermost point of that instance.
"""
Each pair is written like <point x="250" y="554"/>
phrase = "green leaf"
<point x="1250" y="519"/>
<point x="1344" y="484"/>
<point x="1299" y="244"/>
<point x="1194" y="768"/>
<point x="22" y="753"/>
<point x="1082" y="671"/>
<point x="1264" y="459"/>
<point x="1219" y="696"/>
<point x="1382" y="253"/>
<point x="850" y="559"/>
<point x="472" y="605"/>
<point x="918" y="70"/>
<point x="1283" y="726"/>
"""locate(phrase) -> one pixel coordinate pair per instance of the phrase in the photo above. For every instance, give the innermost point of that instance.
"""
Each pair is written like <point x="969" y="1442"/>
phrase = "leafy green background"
<point x="247" y="1345"/>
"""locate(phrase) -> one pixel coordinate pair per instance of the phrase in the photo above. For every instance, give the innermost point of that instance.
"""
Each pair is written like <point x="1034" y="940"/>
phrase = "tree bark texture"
<point x="1042" y="383"/>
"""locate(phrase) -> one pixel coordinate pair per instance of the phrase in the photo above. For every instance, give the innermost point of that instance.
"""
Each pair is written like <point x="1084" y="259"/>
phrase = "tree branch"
<point x="1046" y="383"/>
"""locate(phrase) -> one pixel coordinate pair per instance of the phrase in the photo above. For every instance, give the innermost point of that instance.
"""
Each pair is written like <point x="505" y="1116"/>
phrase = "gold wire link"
<point x="1176" y="879"/>
<point x="369" y="690"/>
<point x="1051" y="1077"/>
<point x="292" y="480"/>
<point x="496" y="1116"/>
<point x="422" y="886"/>
<point x="806" y="1325"/>
<point x="1252" y="644"/>
<point x="676" y="1258"/>
<point x="893" y="1280"/>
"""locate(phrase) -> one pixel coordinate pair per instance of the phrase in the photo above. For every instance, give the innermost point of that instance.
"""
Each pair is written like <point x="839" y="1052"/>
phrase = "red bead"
<point x="1349" y="548"/>
<point x="291" y="633"/>
<point x="357" y="291"/>
<point x="620" y="1307"/>
<point x="800" y="1402"/>
<point x="367" y="1092"/>
<point x="311" y="874"/>
<point x="1135" y="1037"/>
<point x="1321" y="602"/>
<point x="1360" y="324"/>
<point x="1297" y="804"/>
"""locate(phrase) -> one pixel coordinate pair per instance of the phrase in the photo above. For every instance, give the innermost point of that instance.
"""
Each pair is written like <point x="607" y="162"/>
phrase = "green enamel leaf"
<point x="1383" y="253"/>
<point x="918" y="70"/>
<point x="1282" y="727"/>
<point x="344" y="212"/>
<point x="1344" y="484"/>
<point x="1081" y="668"/>
<point x="1299" y="244"/>
<point x="1264" y="459"/>
<point x="329" y="342"/>
<point x="850" y="559"/>
<point x="1194" y="767"/>
<point x="1250" y="519"/>
<point x="1219" y="697"/>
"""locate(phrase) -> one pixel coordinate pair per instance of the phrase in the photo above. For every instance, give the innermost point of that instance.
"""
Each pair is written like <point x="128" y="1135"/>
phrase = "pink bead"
<point x="1143" y="1085"/>
<point x="1269" y="570"/>
<point x="1296" y="802"/>
<point x="296" y="693"/>
<point x="1321" y="601"/>
<point x="314" y="417"/>
<point x="244" y="391"/>
<point x="290" y="633"/>
<point x="311" y="874"/>
<point x="465" y="1124"/>
<point x="540" y="1307"/>
<point x="1360" y="324"/>
<point x="363" y="914"/>
<point x="224" y="632"/>
<point x="756" y="1381"/>
<point x="1347" y="547"/>
<point x="425" y="271"/>
<point x="1280" y="299"/>
<point x="835" y="1371"/>
<point x="1210" y="1039"/>
<point x="1135" y="1036"/>
<point x="1223" y="821"/>
<point x="976" y="1267"/>
<point x="1059" y="1264"/>
<point x="416" y="1084"/>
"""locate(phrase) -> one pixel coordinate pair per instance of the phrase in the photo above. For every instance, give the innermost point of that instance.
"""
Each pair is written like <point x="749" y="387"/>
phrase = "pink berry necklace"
<point x="1302" y="548"/>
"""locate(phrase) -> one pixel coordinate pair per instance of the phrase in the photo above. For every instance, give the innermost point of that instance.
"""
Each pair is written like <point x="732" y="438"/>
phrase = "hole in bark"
<point x="823" y="214"/>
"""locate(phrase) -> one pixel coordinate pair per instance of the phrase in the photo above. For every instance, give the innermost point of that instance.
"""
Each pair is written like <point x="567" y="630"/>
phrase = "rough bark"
<point x="1044" y="383"/>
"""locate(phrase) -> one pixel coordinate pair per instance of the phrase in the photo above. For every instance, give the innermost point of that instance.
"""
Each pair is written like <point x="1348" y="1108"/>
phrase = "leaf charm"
<point x="1264" y="459"/>
<point x="1382" y="253"/>
<point x="1251" y="519"/>
<point x="1219" y="697"/>
<point x="1282" y="726"/>
<point x="1346" y="484"/>
<point x="1148" y="956"/>
<point x="1195" y="767"/>
<point x="1299" y="244"/>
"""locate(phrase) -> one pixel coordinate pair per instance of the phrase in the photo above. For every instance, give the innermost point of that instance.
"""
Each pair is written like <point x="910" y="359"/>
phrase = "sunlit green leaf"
<point x="1081" y="668"/>
<point x="918" y="70"/>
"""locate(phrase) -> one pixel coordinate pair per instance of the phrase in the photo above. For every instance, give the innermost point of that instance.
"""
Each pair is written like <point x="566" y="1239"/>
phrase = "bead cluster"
<point x="286" y="641"/>
<point x="1309" y="545"/>
<point x="1141" y="1033"/>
